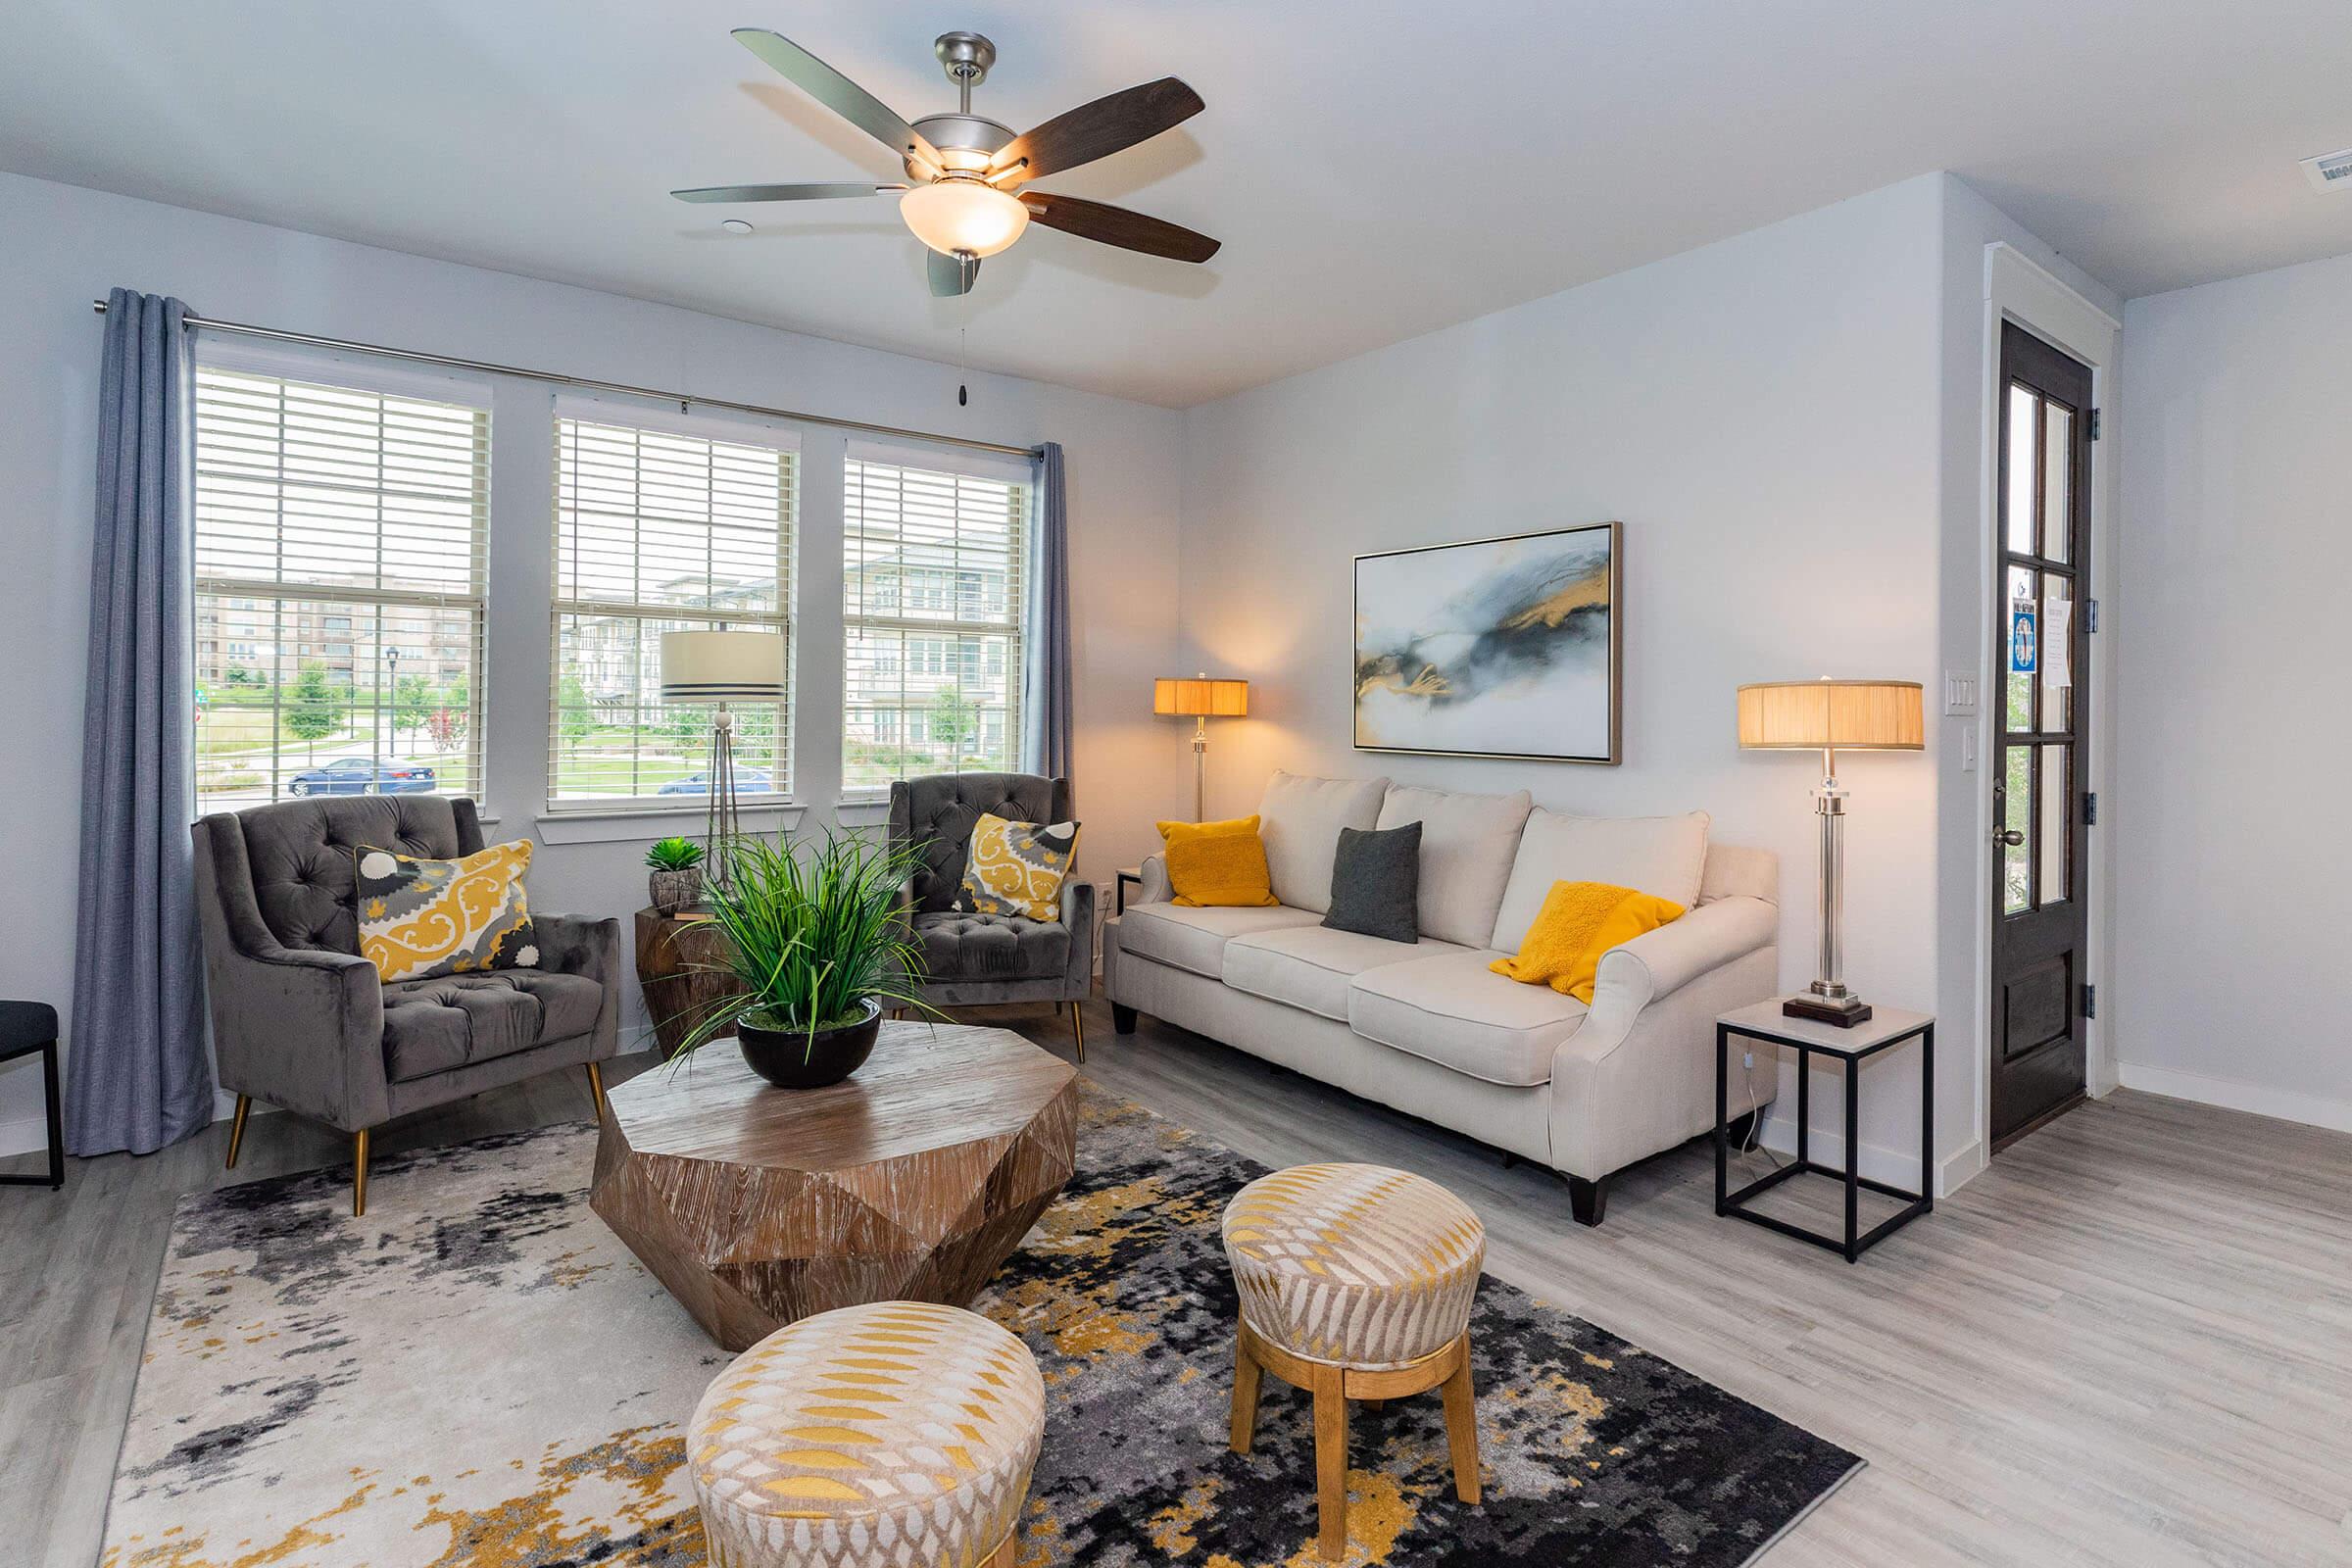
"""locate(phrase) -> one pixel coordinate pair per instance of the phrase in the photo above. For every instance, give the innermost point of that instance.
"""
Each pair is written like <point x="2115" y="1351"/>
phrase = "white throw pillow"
<point x="1467" y="845"/>
<point x="1300" y="820"/>
<point x="1661" y="855"/>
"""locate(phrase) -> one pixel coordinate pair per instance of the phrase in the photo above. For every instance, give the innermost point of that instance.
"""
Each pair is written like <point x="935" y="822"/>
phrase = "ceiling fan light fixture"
<point x="966" y="216"/>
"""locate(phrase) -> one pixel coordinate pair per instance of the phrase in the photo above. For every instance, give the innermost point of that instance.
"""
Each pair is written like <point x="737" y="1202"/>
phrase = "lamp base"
<point x="1845" y="1012"/>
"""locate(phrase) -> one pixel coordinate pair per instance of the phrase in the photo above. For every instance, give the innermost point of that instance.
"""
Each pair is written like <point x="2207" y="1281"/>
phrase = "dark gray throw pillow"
<point x="1376" y="883"/>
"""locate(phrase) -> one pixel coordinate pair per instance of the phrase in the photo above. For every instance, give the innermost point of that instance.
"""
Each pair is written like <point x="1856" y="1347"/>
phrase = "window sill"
<point x="861" y="810"/>
<point x="623" y="823"/>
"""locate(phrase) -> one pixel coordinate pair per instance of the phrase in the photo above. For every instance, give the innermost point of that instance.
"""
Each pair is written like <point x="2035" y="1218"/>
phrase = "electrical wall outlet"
<point x="1747" y="1058"/>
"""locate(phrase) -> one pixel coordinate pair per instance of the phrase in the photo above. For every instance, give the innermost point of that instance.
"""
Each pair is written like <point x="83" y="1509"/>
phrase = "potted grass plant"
<point x="674" y="879"/>
<point x="817" y="945"/>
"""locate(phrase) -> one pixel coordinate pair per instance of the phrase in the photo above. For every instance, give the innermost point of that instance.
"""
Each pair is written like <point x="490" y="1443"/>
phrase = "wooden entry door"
<point x="2040" y="796"/>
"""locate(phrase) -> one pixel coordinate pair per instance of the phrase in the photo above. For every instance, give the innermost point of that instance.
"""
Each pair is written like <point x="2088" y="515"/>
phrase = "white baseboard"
<point x="1958" y="1170"/>
<point x="24" y="1135"/>
<point x="1897" y="1167"/>
<point x="2286" y="1104"/>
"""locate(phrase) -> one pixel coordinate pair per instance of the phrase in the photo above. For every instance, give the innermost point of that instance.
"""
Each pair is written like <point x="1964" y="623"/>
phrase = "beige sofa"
<point x="1426" y="1027"/>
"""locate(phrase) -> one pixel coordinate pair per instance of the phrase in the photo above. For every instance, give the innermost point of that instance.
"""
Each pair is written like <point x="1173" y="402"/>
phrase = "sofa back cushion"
<point x="1300" y="820"/>
<point x="1467" y="845"/>
<point x="299" y="854"/>
<point x="1660" y="854"/>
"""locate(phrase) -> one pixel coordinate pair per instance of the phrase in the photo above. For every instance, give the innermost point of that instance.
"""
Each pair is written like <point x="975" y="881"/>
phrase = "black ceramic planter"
<point x="790" y="1058"/>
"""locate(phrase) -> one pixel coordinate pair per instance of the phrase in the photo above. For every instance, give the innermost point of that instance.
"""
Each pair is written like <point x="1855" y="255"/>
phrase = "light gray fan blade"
<point x="951" y="276"/>
<point x="837" y="92"/>
<point x="821" y="191"/>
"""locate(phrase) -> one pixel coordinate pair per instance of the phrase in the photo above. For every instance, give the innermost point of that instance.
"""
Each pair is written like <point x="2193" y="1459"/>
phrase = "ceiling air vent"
<point x="2330" y="171"/>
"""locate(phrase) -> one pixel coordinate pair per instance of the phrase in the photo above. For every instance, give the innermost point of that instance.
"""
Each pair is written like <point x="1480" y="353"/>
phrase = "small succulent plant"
<point x="674" y="854"/>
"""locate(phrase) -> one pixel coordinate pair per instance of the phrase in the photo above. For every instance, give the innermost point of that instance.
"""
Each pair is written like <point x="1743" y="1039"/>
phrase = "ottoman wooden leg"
<point x="1461" y="1424"/>
<point x="1331" y="1463"/>
<point x="1245" y="1393"/>
<point x="1001" y="1558"/>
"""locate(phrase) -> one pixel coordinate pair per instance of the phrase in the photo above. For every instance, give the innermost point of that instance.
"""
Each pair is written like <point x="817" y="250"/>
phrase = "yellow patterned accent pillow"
<point x="1217" y="864"/>
<point x="1578" y="923"/>
<point x="420" y="919"/>
<point x="1017" y="867"/>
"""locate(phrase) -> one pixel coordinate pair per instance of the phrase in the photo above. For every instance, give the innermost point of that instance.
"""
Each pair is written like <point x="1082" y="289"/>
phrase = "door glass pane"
<point x="2057" y="478"/>
<point x="2017" y="813"/>
<point x="2023" y="654"/>
<point x="2023" y="426"/>
<point x="2052" y="821"/>
<point x="2057" y="652"/>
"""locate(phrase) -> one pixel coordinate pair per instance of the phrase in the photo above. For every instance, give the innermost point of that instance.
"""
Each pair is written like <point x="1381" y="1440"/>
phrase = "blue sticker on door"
<point x="2021" y="637"/>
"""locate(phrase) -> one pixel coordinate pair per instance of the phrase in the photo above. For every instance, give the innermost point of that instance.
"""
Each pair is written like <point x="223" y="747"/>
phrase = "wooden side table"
<point x="676" y="969"/>
<point x="1886" y="1028"/>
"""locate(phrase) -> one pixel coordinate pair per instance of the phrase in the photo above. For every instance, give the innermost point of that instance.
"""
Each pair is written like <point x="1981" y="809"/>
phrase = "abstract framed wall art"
<point x="1510" y="646"/>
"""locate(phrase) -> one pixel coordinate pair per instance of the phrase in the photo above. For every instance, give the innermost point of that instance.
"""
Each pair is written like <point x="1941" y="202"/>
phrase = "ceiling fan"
<point x="968" y="200"/>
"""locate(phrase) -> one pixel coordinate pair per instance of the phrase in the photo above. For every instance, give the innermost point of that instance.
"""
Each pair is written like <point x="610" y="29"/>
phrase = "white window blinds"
<point x="339" y="543"/>
<point x="933" y="564"/>
<point x="662" y="529"/>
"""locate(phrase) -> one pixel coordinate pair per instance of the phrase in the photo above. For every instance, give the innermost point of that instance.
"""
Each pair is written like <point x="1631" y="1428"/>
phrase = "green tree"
<point x="576" y="715"/>
<point x="412" y="703"/>
<point x="954" y="719"/>
<point x="314" y="709"/>
<point x="241" y="676"/>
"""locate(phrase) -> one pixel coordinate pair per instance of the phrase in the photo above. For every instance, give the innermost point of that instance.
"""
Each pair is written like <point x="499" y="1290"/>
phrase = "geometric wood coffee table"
<point x="910" y="1181"/>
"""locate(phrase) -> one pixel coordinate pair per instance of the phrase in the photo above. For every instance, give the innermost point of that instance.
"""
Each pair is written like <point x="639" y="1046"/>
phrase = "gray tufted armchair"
<point x="979" y="960"/>
<point x="300" y="1018"/>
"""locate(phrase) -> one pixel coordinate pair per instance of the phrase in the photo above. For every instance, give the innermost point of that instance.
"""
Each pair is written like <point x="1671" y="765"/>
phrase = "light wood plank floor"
<point x="2129" y="1342"/>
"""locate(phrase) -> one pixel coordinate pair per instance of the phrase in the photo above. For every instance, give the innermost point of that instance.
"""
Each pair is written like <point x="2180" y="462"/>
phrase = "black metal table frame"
<point x="54" y="1176"/>
<point x="1854" y="1243"/>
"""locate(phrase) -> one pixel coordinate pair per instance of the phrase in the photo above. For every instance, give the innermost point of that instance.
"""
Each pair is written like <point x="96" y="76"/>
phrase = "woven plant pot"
<point x="672" y="891"/>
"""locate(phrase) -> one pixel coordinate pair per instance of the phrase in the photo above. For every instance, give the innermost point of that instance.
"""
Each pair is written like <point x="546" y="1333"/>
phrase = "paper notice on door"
<point x="2057" y="643"/>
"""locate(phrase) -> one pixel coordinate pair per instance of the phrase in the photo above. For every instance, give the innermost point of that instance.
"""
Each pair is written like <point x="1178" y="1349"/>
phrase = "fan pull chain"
<point x="963" y="391"/>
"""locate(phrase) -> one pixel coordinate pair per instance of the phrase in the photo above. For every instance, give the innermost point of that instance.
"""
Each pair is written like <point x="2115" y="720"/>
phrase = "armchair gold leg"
<point x="1078" y="1027"/>
<point x="358" y="1174"/>
<point x="236" y="1129"/>
<point x="595" y="1089"/>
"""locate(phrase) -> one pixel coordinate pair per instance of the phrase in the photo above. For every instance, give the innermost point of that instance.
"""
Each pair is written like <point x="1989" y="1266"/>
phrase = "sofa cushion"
<point x="1194" y="939"/>
<point x="1376" y="882"/>
<point x="1309" y="966"/>
<point x="453" y="1020"/>
<point x="991" y="947"/>
<point x="1467" y="845"/>
<point x="1455" y="1011"/>
<point x="1300" y="820"/>
<point x="1660" y="854"/>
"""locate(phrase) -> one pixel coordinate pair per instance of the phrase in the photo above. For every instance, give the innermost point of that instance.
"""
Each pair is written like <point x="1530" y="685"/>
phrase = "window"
<point x="932" y="566"/>
<point x="339" y="541"/>
<point x="660" y="529"/>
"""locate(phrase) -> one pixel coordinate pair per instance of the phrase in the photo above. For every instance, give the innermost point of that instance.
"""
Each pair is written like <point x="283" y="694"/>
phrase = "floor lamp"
<point x="1827" y="716"/>
<point x="1201" y="700"/>
<point x="718" y="668"/>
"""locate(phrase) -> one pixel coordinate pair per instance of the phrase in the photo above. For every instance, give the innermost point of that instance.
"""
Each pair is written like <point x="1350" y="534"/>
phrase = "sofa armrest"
<point x="299" y="1028"/>
<point x="1078" y="914"/>
<point x="1657" y="963"/>
<point x="572" y="944"/>
<point x="1156" y="888"/>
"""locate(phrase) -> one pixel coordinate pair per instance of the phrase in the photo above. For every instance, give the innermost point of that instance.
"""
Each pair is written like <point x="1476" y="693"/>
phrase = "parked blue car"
<point x="748" y="781"/>
<point x="358" y="775"/>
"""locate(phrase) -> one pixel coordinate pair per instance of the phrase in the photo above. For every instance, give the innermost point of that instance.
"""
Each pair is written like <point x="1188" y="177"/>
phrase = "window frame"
<point x="366" y="375"/>
<point x="1014" y="630"/>
<point x="721" y="428"/>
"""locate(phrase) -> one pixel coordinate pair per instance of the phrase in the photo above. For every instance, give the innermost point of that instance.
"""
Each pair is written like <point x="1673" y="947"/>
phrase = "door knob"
<point x="2013" y="838"/>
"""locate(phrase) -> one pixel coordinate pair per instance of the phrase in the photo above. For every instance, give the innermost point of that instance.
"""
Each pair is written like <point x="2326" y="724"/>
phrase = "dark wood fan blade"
<point x="1095" y="130"/>
<point x="1116" y="226"/>
<point x="837" y="92"/>
<point x="822" y="190"/>
<point x="951" y="276"/>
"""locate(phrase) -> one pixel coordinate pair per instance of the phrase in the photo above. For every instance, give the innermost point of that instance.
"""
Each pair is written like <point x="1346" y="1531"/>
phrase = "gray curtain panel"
<point x="137" y="1074"/>
<point x="1049" y="714"/>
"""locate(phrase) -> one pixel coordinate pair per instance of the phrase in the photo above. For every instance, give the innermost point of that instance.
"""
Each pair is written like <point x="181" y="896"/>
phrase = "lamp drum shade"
<point x="1846" y="715"/>
<point x="1201" y="696"/>
<point x="722" y="667"/>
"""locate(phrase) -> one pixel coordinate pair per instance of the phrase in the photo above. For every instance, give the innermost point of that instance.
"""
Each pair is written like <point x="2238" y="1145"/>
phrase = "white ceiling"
<point x="1375" y="169"/>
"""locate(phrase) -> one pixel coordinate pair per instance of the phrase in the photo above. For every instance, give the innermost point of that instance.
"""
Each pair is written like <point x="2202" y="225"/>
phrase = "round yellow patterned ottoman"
<point x="1356" y="1283"/>
<point x="899" y="1434"/>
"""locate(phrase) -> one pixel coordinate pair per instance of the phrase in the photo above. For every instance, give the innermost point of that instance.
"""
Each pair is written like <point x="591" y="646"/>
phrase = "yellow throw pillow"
<point x="1017" y="867"/>
<point x="1578" y="923"/>
<point x="1217" y="863"/>
<point x="420" y="919"/>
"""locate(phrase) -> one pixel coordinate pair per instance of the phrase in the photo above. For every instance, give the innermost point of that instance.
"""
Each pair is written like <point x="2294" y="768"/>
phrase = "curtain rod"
<point x="583" y="384"/>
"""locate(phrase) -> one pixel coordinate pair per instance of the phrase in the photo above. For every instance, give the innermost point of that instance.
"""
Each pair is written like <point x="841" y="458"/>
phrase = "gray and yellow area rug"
<point x="478" y="1375"/>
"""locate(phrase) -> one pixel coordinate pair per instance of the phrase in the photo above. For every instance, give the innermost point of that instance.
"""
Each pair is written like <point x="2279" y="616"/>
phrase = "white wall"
<point x="2235" y="907"/>
<point x="61" y="246"/>
<point x="1764" y="416"/>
